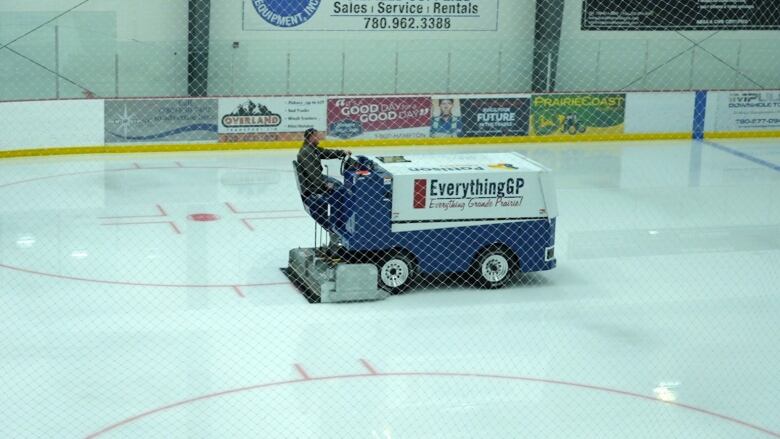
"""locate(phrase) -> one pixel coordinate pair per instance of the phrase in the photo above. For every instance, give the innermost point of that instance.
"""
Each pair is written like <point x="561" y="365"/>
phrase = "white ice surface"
<point x="667" y="286"/>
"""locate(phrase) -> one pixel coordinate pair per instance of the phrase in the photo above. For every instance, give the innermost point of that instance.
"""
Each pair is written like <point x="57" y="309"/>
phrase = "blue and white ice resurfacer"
<point x="396" y="218"/>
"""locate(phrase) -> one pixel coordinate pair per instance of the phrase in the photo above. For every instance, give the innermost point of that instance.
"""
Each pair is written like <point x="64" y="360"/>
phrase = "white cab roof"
<point x="466" y="163"/>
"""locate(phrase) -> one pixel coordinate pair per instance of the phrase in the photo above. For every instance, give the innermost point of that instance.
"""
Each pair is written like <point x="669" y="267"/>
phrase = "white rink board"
<point x="51" y="124"/>
<point x="659" y="112"/>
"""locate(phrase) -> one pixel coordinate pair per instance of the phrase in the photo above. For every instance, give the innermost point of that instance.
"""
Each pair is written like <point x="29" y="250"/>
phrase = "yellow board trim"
<point x="237" y="146"/>
<point x="740" y="134"/>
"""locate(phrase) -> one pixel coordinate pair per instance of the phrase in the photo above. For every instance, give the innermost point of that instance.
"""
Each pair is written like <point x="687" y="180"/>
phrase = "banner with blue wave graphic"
<point x="160" y="120"/>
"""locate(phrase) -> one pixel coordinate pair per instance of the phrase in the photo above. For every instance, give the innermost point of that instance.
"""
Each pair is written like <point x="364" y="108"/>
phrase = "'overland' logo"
<point x="286" y="13"/>
<point x="250" y="114"/>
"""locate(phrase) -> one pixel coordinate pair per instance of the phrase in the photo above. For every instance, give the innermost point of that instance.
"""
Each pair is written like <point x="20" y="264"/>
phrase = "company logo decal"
<point x="474" y="193"/>
<point x="250" y="114"/>
<point x="502" y="166"/>
<point x="754" y="100"/>
<point x="420" y="193"/>
<point x="344" y="129"/>
<point x="286" y="13"/>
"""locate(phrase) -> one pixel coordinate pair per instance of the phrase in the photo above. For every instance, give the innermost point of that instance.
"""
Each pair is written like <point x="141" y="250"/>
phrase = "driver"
<point x="317" y="190"/>
<point x="313" y="182"/>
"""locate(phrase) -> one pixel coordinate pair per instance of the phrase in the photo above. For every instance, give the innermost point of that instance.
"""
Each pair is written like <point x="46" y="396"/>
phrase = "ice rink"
<point x="141" y="297"/>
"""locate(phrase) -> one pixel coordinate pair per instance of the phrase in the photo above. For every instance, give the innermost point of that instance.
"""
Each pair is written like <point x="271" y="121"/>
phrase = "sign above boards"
<point x="639" y="15"/>
<point x="371" y="15"/>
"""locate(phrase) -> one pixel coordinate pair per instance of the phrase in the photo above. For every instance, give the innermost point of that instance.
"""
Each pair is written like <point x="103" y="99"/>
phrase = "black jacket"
<point x="310" y="168"/>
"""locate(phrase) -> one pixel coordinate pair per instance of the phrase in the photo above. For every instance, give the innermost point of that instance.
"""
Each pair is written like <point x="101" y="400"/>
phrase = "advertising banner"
<point x="160" y="120"/>
<point x="492" y="117"/>
<point x="379" y="117"/>
<point x="680" y="15"/>
<point x="371" y="15"/>
<point x="578" y="114"/>
<point x="446" y="117"/>
<point x="748" y="111"/>
<point x="269" y="118"/>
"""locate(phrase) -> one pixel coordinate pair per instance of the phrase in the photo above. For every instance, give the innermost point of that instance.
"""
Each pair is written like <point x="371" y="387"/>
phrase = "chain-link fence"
<point x="180" y="48"/>
<point x="521" y="290"/>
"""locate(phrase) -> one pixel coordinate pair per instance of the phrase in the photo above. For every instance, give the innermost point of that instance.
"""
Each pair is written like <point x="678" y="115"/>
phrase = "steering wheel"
<point x="346" y="162"/>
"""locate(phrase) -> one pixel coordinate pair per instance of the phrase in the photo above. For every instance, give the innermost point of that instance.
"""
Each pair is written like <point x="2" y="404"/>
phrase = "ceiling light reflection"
<point x="25" y="241"/>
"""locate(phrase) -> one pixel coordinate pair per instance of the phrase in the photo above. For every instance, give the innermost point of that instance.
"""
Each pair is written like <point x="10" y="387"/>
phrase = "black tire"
<point x="493" y="268"/>
<point x="396" y="273"/>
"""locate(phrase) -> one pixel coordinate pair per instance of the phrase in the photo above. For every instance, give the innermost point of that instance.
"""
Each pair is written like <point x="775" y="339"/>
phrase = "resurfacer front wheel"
<point x="396" y="273"/>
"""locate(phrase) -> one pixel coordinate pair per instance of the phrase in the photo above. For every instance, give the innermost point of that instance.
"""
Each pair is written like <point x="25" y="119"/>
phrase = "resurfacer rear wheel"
<point x="494" y="268"/>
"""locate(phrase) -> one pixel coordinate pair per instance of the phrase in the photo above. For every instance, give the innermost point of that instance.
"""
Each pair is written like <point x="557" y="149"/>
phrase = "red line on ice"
<point x="307" y="379"/>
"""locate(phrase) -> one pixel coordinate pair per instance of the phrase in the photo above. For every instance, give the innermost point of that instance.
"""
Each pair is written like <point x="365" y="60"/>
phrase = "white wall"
<point x="145" y="39"/>
<point x="139" y="48"/>
<point x="143" y="20"/>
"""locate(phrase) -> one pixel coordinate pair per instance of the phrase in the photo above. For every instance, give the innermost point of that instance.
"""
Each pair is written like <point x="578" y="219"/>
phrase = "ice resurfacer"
<point x="395" y="218"/>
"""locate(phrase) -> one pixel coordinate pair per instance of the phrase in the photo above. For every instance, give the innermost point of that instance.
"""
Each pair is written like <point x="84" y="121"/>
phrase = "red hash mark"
<point x="302" y="372"/>
<point x="160" y="210"/>
<point x="238" y="291"/>
<point x="161" y="213"/>
<point x="171" y="223"/>
<point x="233" y="209"/>
<point x="248" y="221"/>
<point x="369" y="367"/>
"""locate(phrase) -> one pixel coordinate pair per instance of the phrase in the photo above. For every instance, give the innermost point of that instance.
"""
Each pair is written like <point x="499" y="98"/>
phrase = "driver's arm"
<point x="332" y="153"/>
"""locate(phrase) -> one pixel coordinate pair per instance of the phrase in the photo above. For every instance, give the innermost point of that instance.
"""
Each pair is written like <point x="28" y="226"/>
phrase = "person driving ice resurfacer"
<point x="317" y="189"/>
